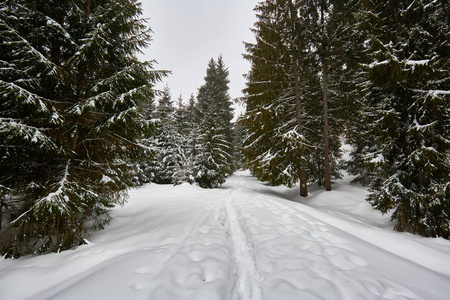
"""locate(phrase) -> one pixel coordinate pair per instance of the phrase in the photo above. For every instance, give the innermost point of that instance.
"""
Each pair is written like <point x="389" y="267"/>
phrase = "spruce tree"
<point x="238" y="142"/>
<point x="190" y="132"/>
<point x="169" y="158"/>
<point x="71" y="89"/>
<point x="213" y="149"/>
<point x="270" y="103"/>
<point x="406" y="106"/>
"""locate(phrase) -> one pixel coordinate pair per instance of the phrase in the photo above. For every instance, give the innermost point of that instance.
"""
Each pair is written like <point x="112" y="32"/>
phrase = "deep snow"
<point x="245" y="240"/>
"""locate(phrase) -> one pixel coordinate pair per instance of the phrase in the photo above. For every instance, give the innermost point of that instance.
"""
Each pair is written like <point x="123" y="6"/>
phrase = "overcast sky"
<point x="188" y="33"/>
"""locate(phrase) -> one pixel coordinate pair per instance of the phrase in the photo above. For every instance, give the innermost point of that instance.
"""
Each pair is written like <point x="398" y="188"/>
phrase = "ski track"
<point x="247" y="276"/>
<point x="301" y="257"/>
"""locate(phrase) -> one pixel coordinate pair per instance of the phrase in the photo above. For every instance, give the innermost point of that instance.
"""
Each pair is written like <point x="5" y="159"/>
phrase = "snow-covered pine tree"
<point x="167" y="142"/>
<point x="71" y="88"/>
<point x="238" y="141"/>
<point x="406" y="106"/>
<point x="213" y="149"/>
<point x="185" y="128"/>
<point x="269" y="114"/>
<point x="180" y="115"/>
<point x="142" y="173"/>
<point x="190" y="132"/>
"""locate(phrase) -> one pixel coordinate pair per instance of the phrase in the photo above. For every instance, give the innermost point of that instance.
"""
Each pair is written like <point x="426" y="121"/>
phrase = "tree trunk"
<point x="298" y="107"/>
<point x="1" y="211"/>
<point x="326" y="128"/>
<point x="298" y="115"/>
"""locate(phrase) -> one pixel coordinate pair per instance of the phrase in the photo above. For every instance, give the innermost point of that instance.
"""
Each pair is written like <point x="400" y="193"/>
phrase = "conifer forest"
<point x="82" y="119"/>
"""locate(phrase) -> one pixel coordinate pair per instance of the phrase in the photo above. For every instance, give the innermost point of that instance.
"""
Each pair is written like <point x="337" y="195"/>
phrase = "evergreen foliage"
<point x="188" y="128"/>
<point x="167" y="143"/>
<point x="71" y="89"/>
<point x="298" y="91"/>
<point x="194" y="142"/>
<point x="214" y="149"/>
<point x="406" y="107"/>
<point x="378" y="72"/>
<point x="267" y="82"/>
<point x="238" y="142"/>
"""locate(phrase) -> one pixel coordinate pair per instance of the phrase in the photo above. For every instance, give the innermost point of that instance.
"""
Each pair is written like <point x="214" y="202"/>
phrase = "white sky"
<point x="188" y="33"/>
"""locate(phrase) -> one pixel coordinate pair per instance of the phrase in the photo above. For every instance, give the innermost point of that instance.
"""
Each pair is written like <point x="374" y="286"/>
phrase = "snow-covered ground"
<point x="244" y="240"/>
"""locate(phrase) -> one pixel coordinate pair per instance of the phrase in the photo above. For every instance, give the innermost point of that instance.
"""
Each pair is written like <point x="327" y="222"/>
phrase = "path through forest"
<point x="242" y="241"/>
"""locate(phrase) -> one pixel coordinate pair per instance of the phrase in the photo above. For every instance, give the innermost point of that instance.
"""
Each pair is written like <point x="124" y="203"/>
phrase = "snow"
<point x="106" y="179"/>
<point x="377" y="63"/>
<point x="244" y="240"/>
<point x="417" y="62"/>
<point x="420" y="127"/>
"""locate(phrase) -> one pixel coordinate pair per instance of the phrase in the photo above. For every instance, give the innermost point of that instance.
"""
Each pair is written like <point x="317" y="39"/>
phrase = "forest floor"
<point x="244" y="240"/>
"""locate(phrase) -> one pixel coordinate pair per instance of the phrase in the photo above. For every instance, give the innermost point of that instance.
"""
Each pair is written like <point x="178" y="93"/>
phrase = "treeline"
<point x="373" y="72"/>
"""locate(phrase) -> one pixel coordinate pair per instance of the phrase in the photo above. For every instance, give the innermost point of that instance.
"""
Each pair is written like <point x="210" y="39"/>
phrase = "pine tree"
<point x="214" y="151"/>
<point x="406" y="107"/>
<point x="271" y="111"/>
<point x="167" y="143"/>
<point x="238" y="142"/>
<point x="190" y="131"/>
<point x="142" y="169"/>
<point x="71" y="89"/>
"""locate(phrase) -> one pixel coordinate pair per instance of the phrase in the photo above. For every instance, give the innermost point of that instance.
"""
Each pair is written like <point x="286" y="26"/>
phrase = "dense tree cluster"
<point x="376" y="73"/>
<point x="194" y="142"/>
<point x="71" y="95"/>
<point x="405" y="112"/>
<point x="298" y="90"/>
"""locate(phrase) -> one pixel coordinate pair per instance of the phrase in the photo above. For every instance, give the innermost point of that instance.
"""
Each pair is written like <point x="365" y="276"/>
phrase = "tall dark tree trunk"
<point x="298" y="115"/>
<point x="298" y="104"/>
<point x="1" y="210"/>
<point x="326" y="128"/>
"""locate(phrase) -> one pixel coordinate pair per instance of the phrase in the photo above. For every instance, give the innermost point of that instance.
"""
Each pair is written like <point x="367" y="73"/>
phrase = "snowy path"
<point x="243" y="241"/>
<point x="247" y="276"/>
<point x="304" y="253"/>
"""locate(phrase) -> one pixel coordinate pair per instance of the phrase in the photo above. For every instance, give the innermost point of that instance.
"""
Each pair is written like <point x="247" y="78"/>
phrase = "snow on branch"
<point x="57" y="26"/>
<point x="92" y="102"/>
<point x="57" y="196"/>
<point x="416" y="62"/>
<point x="28" y="133"/>
<point x="131" y="94"/>
<point x="119" y="76"/>
<point x="138" y="144"/>
<point x="433" y="93"/>
<point x="119" y="117"/>
<point x="29" y="97"/>
<point x="56" y="199"/>
<point x="29" y="49"/>
<point x="420" y="127"/>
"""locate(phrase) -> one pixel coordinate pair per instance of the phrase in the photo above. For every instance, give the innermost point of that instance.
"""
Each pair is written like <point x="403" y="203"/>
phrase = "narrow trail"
<point x="247" y="276"/>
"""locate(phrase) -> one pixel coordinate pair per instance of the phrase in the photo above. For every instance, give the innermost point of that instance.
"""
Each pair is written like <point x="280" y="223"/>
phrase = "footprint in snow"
<point x="142" y="270"/>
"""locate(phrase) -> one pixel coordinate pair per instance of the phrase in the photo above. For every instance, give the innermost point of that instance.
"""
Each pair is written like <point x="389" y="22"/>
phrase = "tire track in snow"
<point x="247" y="276"/>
